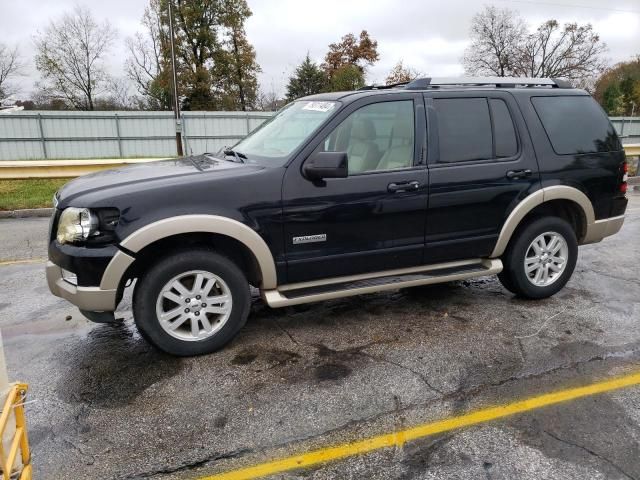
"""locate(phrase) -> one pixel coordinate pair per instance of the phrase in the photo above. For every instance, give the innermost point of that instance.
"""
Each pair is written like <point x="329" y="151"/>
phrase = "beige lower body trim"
<point x="86" y="298"/>
<point x="115" y="271"/>
<point x="602" y="228"/>
<point x="277" y="297"/>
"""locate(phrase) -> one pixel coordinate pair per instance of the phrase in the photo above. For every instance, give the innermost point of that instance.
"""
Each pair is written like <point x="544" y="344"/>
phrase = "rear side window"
<point x="464" y="129"/>
<point x="575" y="124"/>
<point x="503" y="130"/>
<point x="468" y="131"/>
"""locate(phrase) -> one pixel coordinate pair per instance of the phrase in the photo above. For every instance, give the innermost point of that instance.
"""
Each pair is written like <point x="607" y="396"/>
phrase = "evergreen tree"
<point x="308" y="79"/>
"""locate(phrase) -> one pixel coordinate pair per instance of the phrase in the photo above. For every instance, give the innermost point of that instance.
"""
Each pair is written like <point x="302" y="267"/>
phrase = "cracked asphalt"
<point x="106" y="405"/>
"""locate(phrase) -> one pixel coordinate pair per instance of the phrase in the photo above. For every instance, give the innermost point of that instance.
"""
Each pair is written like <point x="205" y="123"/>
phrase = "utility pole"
<point x="176" y="99"/>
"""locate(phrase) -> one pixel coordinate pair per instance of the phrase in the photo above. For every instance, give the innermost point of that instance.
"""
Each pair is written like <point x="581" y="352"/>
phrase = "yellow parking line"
<point x="394" y="439"/>
<point x="22" y="262"/>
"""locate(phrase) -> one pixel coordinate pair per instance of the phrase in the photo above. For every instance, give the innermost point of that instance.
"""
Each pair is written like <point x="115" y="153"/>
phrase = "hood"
<point x="184" y="169"/>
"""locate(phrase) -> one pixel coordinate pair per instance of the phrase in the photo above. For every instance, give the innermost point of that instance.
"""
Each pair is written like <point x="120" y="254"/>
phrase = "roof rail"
<point x="498" y="82"/>
<point x="383" y="87"/>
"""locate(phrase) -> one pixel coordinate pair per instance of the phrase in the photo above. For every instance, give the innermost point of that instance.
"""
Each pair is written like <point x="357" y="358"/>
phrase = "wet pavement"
<point x="107" y="405"/>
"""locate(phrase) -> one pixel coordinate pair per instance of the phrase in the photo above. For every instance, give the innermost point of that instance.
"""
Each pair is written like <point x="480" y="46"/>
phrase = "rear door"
<point x="481" y="165"/>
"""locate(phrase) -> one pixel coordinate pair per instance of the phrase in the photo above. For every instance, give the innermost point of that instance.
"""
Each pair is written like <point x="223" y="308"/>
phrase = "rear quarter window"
<point x="575" y="124"/>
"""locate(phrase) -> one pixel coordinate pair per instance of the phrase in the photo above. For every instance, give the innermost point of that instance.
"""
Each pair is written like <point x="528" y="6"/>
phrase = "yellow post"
<point x="13" y="427"/>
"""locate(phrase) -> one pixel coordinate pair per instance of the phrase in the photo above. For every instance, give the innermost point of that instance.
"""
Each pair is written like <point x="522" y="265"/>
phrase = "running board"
<point x="338" y="287"/>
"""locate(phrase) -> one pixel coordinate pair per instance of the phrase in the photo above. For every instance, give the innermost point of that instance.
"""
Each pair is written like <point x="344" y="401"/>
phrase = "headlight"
<point x="76" y="225"/>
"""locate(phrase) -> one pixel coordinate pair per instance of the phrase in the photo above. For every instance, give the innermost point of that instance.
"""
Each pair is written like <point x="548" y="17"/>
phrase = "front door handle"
<point x="403" y="186"/>
<point x="515" y="174"/>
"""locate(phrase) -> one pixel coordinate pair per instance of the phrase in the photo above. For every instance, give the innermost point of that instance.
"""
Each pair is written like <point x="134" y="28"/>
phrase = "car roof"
<point x="347" y="97"/>
<point x="518" y="86"/>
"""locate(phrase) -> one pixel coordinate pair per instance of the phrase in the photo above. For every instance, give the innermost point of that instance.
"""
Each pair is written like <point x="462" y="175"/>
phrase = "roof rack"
<point x="498" y="82"/>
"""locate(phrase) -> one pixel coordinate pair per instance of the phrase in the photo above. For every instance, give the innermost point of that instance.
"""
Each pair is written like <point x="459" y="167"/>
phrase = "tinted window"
<point x="503" y="129"/>
<point x="575" y="124"/>
<point x="464" y="129"/>
<point x="376" y="137"/>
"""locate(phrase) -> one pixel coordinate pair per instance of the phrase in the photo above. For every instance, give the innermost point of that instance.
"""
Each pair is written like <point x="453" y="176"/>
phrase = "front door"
<point x="374" y="219"/>
<point x="481" y="164"/>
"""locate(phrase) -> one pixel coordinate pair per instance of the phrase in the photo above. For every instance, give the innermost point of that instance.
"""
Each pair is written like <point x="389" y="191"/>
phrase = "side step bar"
<point x="338" y="287"/>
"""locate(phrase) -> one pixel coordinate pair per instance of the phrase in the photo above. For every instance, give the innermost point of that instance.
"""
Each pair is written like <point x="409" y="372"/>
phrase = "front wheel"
<point x="541" y="259"/>
<point x="191" y="303"/>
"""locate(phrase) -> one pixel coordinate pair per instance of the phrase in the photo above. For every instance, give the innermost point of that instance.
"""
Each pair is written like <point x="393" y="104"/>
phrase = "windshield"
<point x="285" y="131"/>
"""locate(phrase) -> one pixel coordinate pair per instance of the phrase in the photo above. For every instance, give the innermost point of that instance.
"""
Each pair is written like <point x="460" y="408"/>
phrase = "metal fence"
<point x="72" y="135"/>
<point x="75" y="135"/>
<point x="628" y="128"/>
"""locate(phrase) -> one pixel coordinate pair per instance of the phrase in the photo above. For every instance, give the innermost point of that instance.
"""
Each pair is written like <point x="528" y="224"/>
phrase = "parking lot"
<point x="106" y="405"/>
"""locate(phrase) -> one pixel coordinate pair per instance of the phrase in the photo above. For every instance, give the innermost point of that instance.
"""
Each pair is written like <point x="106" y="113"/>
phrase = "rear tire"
<point x="540" y="259"/>
<point x="192" y="302"/>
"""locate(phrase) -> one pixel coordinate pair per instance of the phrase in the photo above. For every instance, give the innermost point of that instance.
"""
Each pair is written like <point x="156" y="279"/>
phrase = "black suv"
<point x="342" y="194"/>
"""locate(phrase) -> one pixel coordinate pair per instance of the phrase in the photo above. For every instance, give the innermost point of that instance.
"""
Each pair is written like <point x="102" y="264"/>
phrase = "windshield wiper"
<point x="239" y="157"/>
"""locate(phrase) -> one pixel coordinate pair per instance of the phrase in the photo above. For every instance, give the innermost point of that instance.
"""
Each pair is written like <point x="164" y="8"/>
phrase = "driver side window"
<point x="379" y="136"/>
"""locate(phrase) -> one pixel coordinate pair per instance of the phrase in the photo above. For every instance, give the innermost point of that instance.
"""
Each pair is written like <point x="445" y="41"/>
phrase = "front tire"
<point x="191" y="303"/>
<point x="540" y="260"/>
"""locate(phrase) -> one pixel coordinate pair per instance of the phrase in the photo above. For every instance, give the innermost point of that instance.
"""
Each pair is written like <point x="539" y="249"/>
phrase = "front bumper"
<point x="85" y="298"/>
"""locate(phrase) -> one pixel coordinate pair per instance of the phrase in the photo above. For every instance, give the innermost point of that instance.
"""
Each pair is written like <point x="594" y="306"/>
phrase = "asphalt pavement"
<point x="108" y="406"/>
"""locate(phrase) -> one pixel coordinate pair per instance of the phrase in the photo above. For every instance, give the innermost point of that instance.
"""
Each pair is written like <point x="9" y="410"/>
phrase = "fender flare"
<point x="202" y="224"/>
<point x="546" y="194"/>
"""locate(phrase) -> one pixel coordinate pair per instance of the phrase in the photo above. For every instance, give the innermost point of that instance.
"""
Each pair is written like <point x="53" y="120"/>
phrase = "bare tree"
<point x="70" y="54"/>
<point x="146" y="65"/>
<point x="501" y="46"/>
<point x="269" y="100"/>
<point x="118" y="96"/>
<point x="496" y="38"/>
<point x="573" y="52"/>
<point x="11" y="66"/>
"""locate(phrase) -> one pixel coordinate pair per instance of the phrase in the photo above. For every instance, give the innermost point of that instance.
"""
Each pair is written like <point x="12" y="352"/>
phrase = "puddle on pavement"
<point x="111" y="367"/>
<point x="331" y="371"/>
<point x="265" y="357"/>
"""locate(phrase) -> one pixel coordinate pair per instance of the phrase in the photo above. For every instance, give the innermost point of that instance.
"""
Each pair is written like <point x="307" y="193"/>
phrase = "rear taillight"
<point x="625" y="176"/>
<point x="623" y="187"/>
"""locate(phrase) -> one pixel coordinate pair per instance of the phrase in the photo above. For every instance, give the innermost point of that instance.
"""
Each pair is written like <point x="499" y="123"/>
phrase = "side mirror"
<point x="323" y="165"/>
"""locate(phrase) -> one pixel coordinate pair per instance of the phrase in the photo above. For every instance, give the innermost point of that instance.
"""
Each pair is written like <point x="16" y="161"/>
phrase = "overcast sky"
<point x="428" y="35"/>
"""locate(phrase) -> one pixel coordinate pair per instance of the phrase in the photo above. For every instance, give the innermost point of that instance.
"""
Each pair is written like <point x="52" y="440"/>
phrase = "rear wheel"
<point x="540" y="260"/>
<point x="192" y="302"/>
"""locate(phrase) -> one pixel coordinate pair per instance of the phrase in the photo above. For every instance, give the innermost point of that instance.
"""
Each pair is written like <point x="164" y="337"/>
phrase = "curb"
<point x="27" y="213"/>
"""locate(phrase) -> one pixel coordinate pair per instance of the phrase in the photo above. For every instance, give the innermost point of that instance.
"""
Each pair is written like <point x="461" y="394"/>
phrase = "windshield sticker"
<point x="319" y="106"/>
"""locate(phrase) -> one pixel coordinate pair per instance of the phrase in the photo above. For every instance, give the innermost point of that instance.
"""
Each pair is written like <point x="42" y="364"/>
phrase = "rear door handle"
<point x="403" y="186"/>
<point x="515" y="174"/>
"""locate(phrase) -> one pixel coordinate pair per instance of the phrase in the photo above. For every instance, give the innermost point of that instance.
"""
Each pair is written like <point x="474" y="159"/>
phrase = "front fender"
<point x="207" y="224"/>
